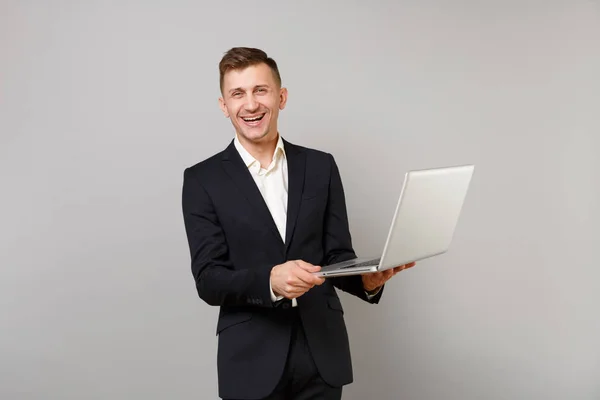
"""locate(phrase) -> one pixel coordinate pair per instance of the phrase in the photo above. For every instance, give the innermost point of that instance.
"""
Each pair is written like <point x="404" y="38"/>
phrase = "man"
<point x="261" y="217"/>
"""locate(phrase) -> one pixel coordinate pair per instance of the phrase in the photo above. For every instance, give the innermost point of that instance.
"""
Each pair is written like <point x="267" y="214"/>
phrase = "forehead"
<point x="248" y="77"/>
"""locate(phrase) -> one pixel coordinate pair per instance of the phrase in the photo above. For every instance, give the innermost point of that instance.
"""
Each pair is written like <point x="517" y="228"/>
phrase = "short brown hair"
<point x="243" y="57"/>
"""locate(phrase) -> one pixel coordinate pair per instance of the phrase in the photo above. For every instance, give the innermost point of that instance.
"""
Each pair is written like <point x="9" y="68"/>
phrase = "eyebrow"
<point x="241" y="89"/>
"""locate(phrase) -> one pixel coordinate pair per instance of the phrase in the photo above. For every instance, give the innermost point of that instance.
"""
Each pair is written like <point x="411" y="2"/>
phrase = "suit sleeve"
<point x="337" y="238"/>
<point x="217" y="282"/>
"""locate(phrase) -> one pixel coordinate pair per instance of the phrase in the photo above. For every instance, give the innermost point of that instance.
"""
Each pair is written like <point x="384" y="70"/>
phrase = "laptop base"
<point x="356" y="266"/>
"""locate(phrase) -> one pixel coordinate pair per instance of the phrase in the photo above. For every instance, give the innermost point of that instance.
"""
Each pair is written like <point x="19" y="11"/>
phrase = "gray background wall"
<point x="103" y="104"/>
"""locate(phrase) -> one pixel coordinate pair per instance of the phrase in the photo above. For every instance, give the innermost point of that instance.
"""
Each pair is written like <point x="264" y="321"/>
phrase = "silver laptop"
<point x="424" y="222"/>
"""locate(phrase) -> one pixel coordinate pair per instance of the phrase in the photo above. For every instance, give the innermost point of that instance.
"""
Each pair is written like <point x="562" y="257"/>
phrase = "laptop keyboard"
<point x="369" y="263"/>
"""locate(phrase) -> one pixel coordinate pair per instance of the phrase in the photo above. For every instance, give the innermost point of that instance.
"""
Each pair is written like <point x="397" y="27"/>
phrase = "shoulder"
<point x="207" y="168"/>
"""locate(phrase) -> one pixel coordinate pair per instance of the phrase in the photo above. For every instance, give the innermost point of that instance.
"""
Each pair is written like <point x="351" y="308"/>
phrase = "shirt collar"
<point x="247" y="157"/>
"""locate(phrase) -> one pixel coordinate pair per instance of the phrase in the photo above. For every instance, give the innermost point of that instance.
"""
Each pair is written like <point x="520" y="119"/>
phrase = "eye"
<point x="261" y="90"/>
<point x="236" y="94"/>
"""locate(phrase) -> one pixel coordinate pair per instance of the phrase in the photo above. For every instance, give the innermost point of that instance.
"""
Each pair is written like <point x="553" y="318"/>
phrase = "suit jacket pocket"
<point x="335" y="303"/>
<point x="231" y="319"/>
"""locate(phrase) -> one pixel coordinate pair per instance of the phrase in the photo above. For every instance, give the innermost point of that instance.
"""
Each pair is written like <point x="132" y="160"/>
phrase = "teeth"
<point x="252" y="119"/>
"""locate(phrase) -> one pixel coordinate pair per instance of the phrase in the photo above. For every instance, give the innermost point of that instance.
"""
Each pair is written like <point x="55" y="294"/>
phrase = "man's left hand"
<point x="376" y="280"/>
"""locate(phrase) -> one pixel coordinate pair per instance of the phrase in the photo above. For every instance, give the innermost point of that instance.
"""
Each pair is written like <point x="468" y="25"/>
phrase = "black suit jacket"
<point x="234" y="243"/>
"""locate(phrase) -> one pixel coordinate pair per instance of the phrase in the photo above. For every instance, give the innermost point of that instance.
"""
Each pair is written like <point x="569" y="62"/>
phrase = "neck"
<point x="263" y="150"/>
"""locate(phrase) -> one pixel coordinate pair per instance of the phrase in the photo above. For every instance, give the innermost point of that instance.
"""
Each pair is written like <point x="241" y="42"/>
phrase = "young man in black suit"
<point x="260" y="217"/>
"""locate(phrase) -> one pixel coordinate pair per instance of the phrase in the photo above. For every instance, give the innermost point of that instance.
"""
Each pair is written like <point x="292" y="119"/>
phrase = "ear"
<point x="223" y="107"/>
<point x="283" y="96"/>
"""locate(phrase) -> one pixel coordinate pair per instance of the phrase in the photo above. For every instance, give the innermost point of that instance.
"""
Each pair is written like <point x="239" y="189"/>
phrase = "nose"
<point x="251" y="103"/>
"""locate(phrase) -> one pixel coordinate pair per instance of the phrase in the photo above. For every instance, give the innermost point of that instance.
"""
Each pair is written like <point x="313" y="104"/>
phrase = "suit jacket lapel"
<point x="237" y="170"/>
<point x="296" y="161"/>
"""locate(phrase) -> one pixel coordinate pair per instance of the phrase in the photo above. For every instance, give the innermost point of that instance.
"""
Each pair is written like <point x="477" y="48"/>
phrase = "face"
<point x="252" y="100"/>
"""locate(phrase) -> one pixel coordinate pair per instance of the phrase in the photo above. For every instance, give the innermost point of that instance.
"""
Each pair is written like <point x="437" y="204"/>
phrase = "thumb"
<point x="307" y="266"/>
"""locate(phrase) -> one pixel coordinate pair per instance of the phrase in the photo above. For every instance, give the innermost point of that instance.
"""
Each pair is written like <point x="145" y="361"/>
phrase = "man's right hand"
<point x="294" y="278"/>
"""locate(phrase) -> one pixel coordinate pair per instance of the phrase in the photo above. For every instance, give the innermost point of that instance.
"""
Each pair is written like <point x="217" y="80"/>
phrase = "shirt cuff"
<point x="273" y="297"/>
<point x="371" y="295"/>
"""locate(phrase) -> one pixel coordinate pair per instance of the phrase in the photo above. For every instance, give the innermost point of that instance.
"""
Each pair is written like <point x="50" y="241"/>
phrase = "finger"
<point x="308" y="278"/>
<point x="295" y="282"/>
<point x="294" y="291"/>
<point x="297" y="293"/>
<point x="410" y="265"/>
<point x="307" y="266"/>
<point x="293" y="279"/>
<point x="386" y="275"/>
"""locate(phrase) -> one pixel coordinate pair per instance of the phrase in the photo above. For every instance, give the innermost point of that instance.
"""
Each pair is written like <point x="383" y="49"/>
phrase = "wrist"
<point x="271" y="279"/>
<point x="372" y="291"/>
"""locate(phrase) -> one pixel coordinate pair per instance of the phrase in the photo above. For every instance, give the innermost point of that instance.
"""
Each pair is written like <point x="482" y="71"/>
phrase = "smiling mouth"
<point x="253" y="119"/>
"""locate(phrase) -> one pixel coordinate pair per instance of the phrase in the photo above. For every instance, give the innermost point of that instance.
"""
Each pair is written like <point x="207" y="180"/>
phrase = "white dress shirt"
<point x="273" y="185"/>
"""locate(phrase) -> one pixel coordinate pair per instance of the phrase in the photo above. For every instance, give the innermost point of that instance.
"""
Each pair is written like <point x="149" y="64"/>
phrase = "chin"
<point x="256" y="136"/>
<point x="248" y="137"/>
